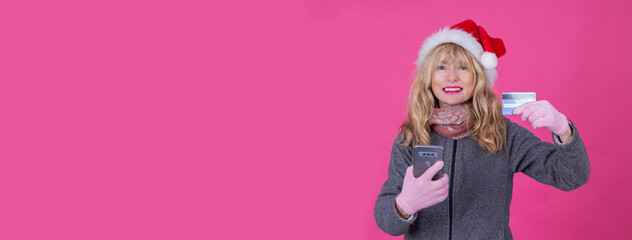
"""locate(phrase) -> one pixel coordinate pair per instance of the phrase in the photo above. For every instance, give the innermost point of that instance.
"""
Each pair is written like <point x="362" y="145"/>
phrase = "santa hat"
<point x="474" y="39"/>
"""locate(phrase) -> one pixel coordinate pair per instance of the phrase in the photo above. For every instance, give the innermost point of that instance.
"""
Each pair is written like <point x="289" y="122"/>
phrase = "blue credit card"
<point x="511" y="100"/>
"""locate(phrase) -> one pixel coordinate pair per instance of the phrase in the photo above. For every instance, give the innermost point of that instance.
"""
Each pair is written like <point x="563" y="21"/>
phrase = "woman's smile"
<point x="452" y="89"/>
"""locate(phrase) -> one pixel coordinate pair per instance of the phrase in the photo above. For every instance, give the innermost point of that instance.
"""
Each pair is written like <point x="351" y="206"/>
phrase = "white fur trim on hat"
<point x="460" y="37"/>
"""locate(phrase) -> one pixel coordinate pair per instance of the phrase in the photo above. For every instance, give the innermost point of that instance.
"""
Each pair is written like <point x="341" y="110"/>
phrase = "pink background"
<point x="274" y="120"/>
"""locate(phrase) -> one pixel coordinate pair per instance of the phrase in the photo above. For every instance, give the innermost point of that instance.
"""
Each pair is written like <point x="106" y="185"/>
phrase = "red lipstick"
<point x="452" y="89"/>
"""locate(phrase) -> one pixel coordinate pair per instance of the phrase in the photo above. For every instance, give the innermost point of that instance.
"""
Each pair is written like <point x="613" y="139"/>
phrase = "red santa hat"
<point x="474" y="39"/>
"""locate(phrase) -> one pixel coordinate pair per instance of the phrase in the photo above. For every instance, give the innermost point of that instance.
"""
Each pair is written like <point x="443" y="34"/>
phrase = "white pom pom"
<point x="489" y="60"/>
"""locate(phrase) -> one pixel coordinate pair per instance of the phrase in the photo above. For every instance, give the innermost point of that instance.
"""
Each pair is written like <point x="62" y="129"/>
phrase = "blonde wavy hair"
<point x="485" y="111"/>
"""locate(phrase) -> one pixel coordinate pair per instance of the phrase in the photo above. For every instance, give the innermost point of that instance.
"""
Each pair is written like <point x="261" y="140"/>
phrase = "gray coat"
<point x="477" y="206"/>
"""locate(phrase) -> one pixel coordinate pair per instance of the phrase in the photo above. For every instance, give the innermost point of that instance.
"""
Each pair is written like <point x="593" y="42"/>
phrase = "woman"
<point x="451" y="104"/>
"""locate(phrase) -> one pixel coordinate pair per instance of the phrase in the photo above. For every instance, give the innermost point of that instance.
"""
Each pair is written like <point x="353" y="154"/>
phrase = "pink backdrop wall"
<point x="274" y="120"/>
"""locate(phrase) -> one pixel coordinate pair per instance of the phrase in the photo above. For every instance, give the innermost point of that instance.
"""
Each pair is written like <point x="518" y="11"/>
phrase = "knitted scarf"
<point x="451" y="121"/>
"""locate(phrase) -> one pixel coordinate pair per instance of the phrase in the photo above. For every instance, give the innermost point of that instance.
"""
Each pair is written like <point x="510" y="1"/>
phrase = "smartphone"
<point x="424" y="157"/>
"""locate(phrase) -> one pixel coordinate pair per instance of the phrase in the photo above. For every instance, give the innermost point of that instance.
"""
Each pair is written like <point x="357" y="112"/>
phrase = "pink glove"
<point x="543" y="114"/>
<point x="422" y="192"/>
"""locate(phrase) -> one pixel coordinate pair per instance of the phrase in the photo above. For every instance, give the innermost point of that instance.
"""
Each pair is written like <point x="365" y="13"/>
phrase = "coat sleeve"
<point x="564" y="166"/>
<point x="385" y="212"/>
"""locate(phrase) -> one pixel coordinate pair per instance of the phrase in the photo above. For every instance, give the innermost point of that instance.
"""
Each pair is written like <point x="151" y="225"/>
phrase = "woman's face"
<point x="452" y="84"/>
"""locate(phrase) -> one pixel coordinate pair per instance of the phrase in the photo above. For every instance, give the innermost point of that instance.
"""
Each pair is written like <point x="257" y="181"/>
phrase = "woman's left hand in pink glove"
<point x="543" y="114"/>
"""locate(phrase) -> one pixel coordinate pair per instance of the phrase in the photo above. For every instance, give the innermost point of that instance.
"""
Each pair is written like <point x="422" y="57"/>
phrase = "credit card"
<point x="511" y="100"/>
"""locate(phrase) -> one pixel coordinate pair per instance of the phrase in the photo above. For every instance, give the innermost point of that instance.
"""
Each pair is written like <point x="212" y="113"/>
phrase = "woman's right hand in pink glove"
<point x="422" y="192"/>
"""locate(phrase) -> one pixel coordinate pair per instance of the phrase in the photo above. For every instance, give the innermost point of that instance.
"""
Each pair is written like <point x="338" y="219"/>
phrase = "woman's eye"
<point x="463" y="68"/>
<point x="441" y="68"/>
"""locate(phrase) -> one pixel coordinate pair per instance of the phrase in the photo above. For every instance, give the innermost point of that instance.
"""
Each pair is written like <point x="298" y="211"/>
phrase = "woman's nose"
<point x="452" y="76"/>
